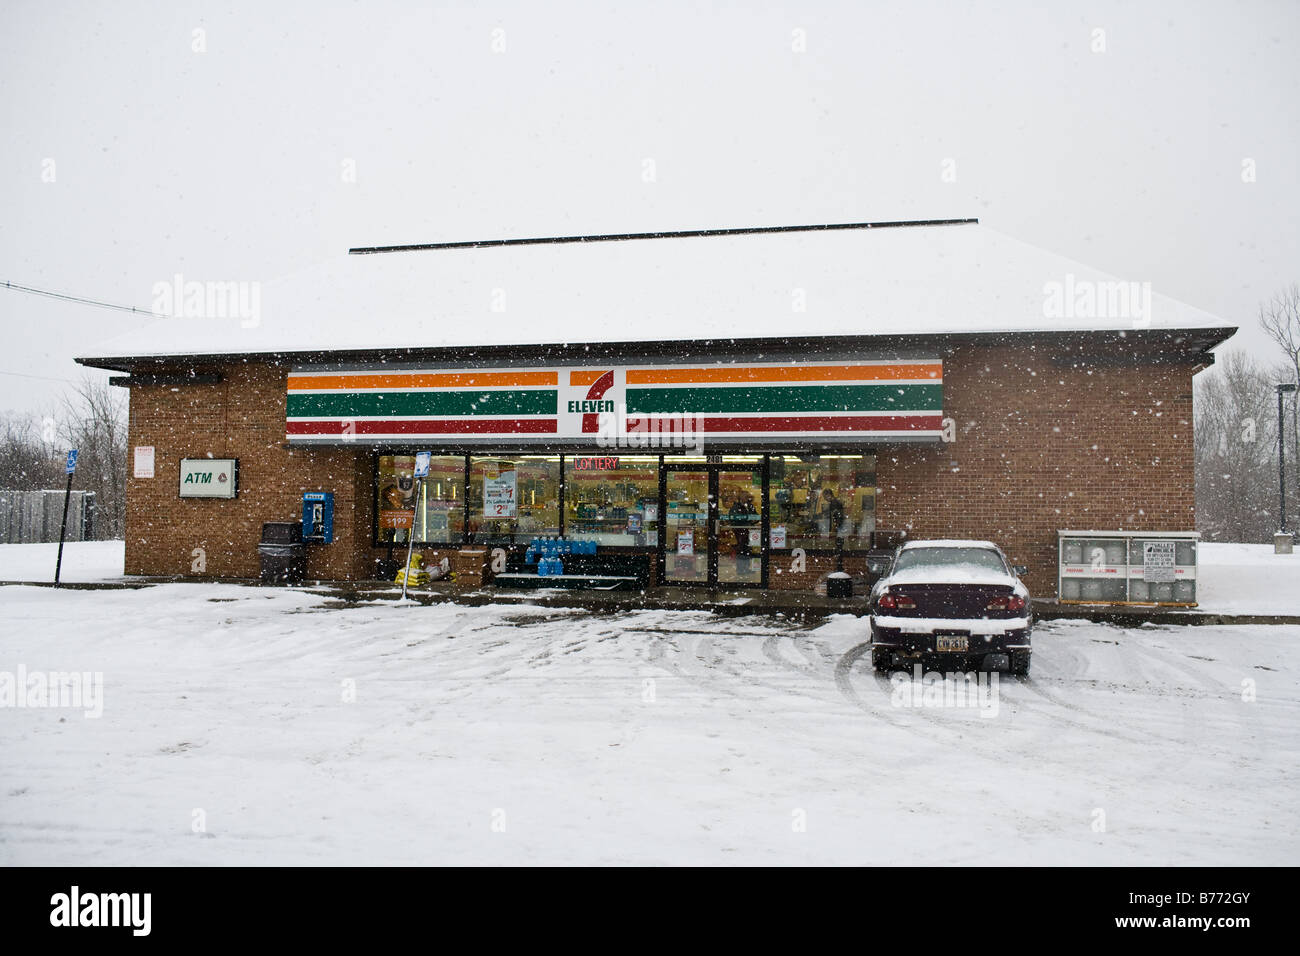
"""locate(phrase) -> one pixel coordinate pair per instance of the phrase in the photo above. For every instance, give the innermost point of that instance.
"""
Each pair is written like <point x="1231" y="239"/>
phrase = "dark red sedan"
<point x="951" y="602"/>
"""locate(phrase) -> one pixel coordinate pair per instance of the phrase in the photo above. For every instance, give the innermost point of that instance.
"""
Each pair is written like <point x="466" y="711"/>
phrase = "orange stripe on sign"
<point x="786" y="373"/>
<point x="586" y="376"/>
<point x="350" y="381"/>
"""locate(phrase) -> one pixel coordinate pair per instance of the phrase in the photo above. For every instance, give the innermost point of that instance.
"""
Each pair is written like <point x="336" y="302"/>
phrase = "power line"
<point x="678" y="234"/>
<point x="46" y="378"/>
<point x="80" y="300"/>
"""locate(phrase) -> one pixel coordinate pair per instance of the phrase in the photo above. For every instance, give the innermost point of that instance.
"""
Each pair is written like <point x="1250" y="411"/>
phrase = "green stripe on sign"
<point x="375" y="404"/>
<point x="787" y="398"/>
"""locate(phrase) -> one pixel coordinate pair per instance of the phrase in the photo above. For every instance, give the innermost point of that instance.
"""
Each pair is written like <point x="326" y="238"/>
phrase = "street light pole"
<point x="1281" y="453"/>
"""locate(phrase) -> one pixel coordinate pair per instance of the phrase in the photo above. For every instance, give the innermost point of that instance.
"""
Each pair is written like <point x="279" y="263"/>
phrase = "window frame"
<point x="375" y="455"/>
<point x="868" y="452"/>
<point x="566" y="455"/>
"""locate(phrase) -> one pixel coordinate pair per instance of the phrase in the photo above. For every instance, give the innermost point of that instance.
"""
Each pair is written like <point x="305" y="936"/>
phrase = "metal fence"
<point x="28" y="517"/>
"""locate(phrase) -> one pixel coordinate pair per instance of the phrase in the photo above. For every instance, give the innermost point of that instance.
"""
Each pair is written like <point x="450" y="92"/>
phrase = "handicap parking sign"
<point x="72" y="461"/>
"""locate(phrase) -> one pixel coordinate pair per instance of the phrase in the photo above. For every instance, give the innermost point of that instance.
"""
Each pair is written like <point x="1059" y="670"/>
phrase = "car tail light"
<point x="1008" y="602"/>
<point x="895" y="602"/>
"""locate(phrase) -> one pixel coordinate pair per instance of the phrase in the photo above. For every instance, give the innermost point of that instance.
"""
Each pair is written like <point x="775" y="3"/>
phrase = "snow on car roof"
<point x="950" y="543"/>
<point x="917" y="280"/>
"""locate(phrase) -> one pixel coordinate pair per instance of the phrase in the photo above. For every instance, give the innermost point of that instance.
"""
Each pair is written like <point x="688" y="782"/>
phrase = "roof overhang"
<point x="1109" y="347"/>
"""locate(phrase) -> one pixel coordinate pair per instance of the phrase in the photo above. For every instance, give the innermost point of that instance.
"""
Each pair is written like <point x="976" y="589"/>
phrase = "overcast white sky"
<point x="228" y="164"/>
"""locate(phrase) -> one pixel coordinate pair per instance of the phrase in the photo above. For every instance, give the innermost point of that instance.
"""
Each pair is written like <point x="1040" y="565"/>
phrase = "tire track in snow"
<point x="843" y="674"/>
<point x="771" y="650"/>
<point x="1064" y="653"/>
<point x="667" y="653"/>
<point x="1046" y="725"/>
<point x="725" y="660"/>
<point x="1215" y="688"/>
<point x="818" y="655"/>
<point x="1136" y="658"/>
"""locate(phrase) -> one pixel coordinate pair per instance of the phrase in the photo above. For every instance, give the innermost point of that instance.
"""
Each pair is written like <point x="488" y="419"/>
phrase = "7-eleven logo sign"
<point x="590" y="392"/>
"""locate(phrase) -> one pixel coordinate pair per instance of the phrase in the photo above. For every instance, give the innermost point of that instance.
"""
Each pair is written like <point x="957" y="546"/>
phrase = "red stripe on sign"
<point x="814" y="423"/>
<point x="427" y="426"/>
<point x="591" y="423"/>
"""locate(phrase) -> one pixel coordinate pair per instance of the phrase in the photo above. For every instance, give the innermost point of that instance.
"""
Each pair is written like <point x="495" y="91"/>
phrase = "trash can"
<point x="283" y="555"/>
<point x="839" y="585"/>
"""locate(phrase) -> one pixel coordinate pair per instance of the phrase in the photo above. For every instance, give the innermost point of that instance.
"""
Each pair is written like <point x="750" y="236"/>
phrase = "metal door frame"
<point x="713" y="468"/>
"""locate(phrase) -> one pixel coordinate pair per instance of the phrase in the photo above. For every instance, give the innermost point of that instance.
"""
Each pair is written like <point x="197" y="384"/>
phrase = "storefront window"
<point x="437" y="516"/>
<point x="513" y="500"/>
<point x="814" y="499"/>
<point x="613" y="500"/>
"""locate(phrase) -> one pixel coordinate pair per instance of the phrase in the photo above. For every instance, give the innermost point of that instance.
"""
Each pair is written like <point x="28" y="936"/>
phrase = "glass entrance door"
<point x="739" y="538"/>
<point x="713" y="517"/>
<point x="688" y="505"/>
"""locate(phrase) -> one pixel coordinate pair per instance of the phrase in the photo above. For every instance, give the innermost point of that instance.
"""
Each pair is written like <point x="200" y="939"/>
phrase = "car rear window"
<point x="979" y="558"/>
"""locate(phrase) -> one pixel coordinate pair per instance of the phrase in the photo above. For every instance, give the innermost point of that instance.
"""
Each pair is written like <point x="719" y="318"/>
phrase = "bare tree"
<point x="1280" y="319"/>
<point x="94" y="422"/>
<point x="1235" y="441"/>
<point x="28" y="453"/>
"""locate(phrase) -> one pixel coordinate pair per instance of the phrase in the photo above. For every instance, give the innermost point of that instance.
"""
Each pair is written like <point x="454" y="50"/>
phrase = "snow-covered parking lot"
<point x="246" y="725"/>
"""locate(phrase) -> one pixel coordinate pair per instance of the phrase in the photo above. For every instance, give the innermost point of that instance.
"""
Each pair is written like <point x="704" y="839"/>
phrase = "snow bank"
<point x="83" y="561"/>
<point x="1247" y="579"/>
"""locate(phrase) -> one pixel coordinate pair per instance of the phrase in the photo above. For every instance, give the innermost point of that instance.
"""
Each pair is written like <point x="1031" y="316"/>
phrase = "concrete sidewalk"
<point x="735" y="603"/>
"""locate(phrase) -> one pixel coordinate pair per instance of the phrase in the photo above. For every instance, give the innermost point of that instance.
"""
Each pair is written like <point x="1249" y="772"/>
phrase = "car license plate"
<point x="950" y="642"/>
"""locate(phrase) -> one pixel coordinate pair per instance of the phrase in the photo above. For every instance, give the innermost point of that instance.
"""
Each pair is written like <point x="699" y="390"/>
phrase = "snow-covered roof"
<point x="869" y="282"/>
<point x="1128" y="534"/>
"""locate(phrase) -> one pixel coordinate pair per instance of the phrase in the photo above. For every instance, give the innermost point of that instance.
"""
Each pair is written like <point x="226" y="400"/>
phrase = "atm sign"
<point x="209" y="477"/>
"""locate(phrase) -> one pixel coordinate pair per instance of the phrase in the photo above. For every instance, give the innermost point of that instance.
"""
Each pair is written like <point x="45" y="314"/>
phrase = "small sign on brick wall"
<point x="143" y="461"/>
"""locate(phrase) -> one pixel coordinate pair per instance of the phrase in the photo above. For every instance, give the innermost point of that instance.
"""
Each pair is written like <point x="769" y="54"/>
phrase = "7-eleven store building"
<point x="730" y="470"/>
<point x="756" y="458"/>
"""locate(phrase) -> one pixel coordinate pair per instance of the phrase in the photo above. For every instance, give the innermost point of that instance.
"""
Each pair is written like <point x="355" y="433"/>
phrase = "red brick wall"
<point x="1038" y="448"/>
<point x="241" y="417"/>
<point x="782" y="576"/>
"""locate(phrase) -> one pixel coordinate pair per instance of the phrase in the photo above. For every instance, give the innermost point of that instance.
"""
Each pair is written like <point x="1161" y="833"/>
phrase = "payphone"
<point x="318" y="517"/>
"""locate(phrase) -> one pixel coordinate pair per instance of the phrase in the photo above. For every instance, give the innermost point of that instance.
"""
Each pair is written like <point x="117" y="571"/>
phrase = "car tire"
<point x="882" y="659"/>
<point x="1020" y="663"/>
